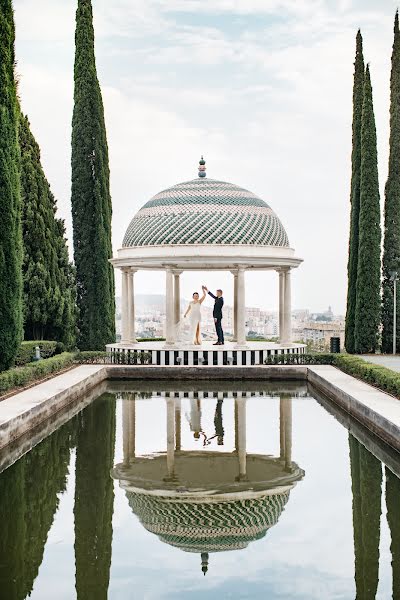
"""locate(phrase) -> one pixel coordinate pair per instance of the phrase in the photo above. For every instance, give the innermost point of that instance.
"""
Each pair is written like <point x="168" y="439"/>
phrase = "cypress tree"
<point x="91" y="200"/>
<point x="49" y="288"/>
<point x="10" y="204"/>
<point x="358" y="88"/>
<point x="368" y="300"/>
<point x="393" y="507"/>
<point x="366" y="478"/>
<point x="94" y="499"/>
<point x="391" y="244"/>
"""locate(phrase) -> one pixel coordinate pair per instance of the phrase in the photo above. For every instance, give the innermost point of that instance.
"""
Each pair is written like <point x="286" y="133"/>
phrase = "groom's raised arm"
<point x="212" y="295"/>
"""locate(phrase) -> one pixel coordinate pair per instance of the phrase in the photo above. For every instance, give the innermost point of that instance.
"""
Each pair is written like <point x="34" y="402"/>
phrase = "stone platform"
<point x="253" y="353"/>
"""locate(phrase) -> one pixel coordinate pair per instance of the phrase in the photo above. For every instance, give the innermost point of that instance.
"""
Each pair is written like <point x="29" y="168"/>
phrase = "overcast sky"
<point x="262" y="88"/>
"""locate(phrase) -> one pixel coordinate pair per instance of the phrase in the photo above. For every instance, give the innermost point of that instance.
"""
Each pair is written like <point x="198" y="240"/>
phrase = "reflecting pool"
<point x="225" y="491"/>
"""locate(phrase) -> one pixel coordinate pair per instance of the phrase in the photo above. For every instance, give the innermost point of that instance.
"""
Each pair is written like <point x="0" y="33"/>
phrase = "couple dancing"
<point x="193" y="313"/>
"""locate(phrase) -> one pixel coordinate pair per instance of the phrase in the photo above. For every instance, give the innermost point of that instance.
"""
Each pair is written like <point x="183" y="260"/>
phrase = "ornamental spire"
<point x="204" y="562"/>
<point x="202" y="167"/>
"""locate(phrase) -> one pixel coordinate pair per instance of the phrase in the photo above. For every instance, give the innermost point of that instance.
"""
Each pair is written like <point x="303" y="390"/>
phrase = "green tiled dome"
<point x="205" y="211"/>
<point x="208" y="526"/>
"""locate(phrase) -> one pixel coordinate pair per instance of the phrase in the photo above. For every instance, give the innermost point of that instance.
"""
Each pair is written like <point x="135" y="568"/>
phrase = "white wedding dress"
<point x="187" y="328"/>
<point x="194" y="318"/>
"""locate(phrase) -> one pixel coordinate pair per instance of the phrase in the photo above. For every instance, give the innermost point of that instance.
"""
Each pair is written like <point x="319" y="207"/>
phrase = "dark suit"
<point x="217" y="314"/>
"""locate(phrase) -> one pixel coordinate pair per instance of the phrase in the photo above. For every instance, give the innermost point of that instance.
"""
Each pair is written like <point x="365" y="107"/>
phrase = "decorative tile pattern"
<point x="208" y="526"/>
<point x="205" y="211"/>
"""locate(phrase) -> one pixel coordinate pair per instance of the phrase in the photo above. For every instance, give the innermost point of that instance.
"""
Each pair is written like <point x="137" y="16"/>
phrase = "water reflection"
<point x="201" y="500"/>
<point x="94" y="499"/>
<point x="393" y="517"/>
<point x="366" y="477"/>
<point x="216" y="497"/>
<point x="28" y="503"/>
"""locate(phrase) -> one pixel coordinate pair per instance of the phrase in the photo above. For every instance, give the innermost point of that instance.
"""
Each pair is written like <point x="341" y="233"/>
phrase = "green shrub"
<point x="131" y="357"/>
<point x="381" y="377"/>
<point x="300" y="359"/>
<point x="26" y="351"/>
<point x="21" y="376"/>
<point x="93" y="357"/>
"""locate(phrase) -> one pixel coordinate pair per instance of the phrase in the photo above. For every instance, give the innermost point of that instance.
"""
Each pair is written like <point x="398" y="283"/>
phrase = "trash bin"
<point x="335" y="345"/>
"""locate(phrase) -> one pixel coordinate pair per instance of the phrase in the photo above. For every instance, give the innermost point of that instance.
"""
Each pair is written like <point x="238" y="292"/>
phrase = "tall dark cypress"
<point x="10" y="203"/>
<point x="366" y="476"/>
<point x="29" y="499"/>
<point x="393" y="519"/>
<point x="368" y="285"/>
<point x="91" y="200"/>
<point x="49" y="288"/>
<point x="358" y="90"/>
<point x="391" y="243"/>
<point x="94" y="499"/>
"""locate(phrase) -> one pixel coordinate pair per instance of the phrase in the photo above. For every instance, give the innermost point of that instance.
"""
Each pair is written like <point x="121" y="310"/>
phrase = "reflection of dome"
<point x="205" y="211"/>
<point x="208" y="525"/>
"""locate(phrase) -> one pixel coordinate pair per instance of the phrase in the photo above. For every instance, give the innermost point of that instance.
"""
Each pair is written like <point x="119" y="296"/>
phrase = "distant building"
<point x="319" y="334"/>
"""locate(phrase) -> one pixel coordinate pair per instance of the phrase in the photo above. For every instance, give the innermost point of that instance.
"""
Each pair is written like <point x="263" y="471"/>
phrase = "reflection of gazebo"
<point x="205" y="501"/>
<point x="204" y="225"/>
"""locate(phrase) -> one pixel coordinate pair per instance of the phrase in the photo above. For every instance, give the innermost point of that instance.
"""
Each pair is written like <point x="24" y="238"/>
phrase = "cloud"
<point x="262" y="87"/>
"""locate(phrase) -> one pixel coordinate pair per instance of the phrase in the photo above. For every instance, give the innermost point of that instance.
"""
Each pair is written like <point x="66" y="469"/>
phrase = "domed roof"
<point x="205" y="211"/>
<point x="207" y="525"/>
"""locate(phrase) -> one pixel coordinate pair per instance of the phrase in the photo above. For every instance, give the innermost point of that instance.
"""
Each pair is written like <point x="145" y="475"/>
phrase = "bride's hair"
<point x="195" y="294"/>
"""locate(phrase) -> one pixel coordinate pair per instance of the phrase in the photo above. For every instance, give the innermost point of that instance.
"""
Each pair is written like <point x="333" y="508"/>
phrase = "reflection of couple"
<point x="193" y="313"/>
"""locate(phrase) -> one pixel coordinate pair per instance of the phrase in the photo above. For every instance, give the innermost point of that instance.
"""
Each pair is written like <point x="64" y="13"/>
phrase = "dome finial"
<point x="204" y="562"/>
<point x="202" y="167"/>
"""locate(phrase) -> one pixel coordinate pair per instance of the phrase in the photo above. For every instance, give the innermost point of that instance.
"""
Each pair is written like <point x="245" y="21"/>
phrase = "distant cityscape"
<point x="313" y="329"/>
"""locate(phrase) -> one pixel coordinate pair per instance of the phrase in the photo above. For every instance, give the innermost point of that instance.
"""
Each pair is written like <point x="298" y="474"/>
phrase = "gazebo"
<point x="202" y="225"/>
<point x="204" y="501"/>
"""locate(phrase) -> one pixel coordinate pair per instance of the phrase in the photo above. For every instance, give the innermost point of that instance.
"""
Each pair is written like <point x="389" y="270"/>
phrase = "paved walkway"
<point x="385" y="360"/>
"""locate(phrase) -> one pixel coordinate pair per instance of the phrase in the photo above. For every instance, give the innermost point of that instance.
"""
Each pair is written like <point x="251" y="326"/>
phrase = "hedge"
<point x="381" y="377"/>
<point x="300" y="359"/>
<point x="21" y="376"/>
<point x="26" y="351"/>
<point x="106" y="358"/>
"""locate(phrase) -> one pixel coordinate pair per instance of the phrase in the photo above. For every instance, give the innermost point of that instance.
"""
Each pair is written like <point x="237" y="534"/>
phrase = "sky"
<point x="262" y="88"/>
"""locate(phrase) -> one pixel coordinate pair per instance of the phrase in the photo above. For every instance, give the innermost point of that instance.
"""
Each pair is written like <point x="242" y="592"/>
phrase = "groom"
<point x="217" y="314"/>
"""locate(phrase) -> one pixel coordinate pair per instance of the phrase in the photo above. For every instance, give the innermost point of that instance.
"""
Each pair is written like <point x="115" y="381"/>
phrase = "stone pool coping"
<point x="23" y="412"/>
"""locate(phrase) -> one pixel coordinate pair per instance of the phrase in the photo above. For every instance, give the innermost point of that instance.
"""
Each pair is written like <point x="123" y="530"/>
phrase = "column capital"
<point x="177" y="271"/>
<point x="234" y="273"/>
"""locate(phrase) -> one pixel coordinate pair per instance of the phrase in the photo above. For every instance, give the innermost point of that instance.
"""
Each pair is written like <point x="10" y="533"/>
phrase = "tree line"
<point x="42" y="294"/>
<point x="369" y="314"/>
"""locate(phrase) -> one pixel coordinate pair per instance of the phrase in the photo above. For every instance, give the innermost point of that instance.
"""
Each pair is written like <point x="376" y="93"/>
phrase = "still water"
<point x="220" y="493"/>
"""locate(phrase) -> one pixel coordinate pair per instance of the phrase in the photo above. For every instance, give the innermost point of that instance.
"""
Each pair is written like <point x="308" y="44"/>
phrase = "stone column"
<point x="177" y="297"/>
<point x="170" y="439"/>
<point x="288" y="434"/>
<point x="235" y="294"/>
<point x="125" y="430"/>
<point x="131" y="306"/>
<point x="281" y="304"/>
<point x="132" y="427"/>
<point x="125" y="307"/>
<point x="241" y="307"/>
<point x="129" y="428"/>
<point x="178" y="407"/>
<point x="282" y="428"/>
<point x="169" y="308"/>
<point x="241" y="439"/>
<point x="287" y="310"/>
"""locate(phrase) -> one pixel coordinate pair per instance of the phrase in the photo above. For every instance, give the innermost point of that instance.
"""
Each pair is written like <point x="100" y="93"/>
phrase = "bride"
<point x="194" y="312"/>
